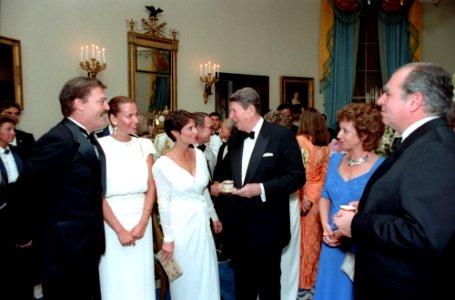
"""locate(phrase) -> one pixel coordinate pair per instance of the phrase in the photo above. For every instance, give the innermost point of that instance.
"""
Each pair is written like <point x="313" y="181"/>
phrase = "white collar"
<point x="416" y="125"/>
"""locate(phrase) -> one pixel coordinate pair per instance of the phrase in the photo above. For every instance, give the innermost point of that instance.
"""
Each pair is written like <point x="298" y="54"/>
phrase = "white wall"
<point x="258" y="37"/>
<point x="438" y="38"/>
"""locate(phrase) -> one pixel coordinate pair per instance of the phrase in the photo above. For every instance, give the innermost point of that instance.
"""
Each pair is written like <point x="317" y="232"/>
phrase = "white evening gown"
<point x="290" y="257"/>
<point x="127" y="272"/>
<point x="185" y="208"/>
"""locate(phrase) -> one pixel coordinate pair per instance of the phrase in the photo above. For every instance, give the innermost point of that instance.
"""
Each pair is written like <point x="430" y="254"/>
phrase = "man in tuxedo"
<point x="207" y="142"/>
<point x="59" y="195"/>
<point x="217" y="120"/>
<point x="266" y="166"/>
<point x="24" y="141"/>
<point x="404" y="230"/>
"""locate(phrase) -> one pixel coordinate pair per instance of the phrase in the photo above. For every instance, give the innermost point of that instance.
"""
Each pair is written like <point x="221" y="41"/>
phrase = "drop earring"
<point x="115" y="129"/>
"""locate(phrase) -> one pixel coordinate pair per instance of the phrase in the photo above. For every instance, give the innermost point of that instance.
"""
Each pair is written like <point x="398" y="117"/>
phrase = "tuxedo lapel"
<point x="85" y="147"/>
<point x="235" y="152"/>
<point x="389" y="161"/>
<point x="17" y="159"/>
<point x="87" y="150"/>
<point x="4" y="174"/>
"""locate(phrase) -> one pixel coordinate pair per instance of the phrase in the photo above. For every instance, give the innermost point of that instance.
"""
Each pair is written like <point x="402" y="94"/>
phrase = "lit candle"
<point x="82" y="53"/>
<point x="93" y="51"/>
<point x="97" y="51"/>
<point x="209" y="67"/>
<point x="214" y="70"/>
<point x="200" y="70"/>
<point x="104" y="56"/>
<point x="218" y="70"/>
<point x="205" y="74"/>
<point x="86" y="52"/>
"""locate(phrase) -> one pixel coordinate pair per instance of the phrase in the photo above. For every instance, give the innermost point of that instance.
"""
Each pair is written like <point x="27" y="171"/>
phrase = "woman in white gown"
<point x="185" y="207"/>
<point x="127" y="267"/>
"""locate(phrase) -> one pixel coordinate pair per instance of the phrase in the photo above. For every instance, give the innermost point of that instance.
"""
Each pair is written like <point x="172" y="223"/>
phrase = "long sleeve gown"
<point x="185" y="208"/>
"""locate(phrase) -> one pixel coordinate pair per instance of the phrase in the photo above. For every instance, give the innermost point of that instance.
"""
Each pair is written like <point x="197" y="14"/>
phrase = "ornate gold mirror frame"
<point x="152" y="66"/>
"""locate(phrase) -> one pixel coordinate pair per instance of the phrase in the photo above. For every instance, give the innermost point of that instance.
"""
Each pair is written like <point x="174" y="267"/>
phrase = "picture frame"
<point x="228" y="83"/>
<point x="11" y="70"/>
<point x="297" y="91"/>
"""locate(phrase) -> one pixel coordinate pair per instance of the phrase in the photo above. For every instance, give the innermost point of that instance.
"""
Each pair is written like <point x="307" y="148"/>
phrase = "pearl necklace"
<point x="356" y="162"/>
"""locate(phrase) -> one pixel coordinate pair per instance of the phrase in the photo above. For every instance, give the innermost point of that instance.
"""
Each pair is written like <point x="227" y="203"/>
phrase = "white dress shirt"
<point x="10" y="164"/>
<point x="248" y="146"/>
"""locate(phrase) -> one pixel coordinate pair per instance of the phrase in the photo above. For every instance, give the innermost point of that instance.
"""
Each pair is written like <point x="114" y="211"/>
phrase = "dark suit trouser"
<point x="75" y="286"/>
<point x="258" y="274"/>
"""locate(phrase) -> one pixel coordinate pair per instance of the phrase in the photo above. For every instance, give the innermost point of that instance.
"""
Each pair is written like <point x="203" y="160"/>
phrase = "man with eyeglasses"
<point x="207" y="142"/>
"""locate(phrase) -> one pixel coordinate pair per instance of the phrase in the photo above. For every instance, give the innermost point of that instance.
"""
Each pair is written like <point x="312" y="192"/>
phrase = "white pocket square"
<point x="268" y="154"/>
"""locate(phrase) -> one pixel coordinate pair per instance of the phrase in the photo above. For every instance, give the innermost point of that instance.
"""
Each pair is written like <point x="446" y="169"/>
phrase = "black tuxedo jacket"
<point x="24" y="143"/>
<point x="60" y="203"/>
<point x="276" y="162"/>
<point x="405" y="228"/>
<point x="19" y="165"/>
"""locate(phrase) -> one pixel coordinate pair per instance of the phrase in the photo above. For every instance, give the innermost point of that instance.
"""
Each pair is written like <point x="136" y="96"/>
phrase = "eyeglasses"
<point x="212" y="129"/>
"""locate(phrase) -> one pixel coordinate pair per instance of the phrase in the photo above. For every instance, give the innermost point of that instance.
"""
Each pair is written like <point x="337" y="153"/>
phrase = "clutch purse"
<point x="348" y="265"/>
<point x="170" y="266"/>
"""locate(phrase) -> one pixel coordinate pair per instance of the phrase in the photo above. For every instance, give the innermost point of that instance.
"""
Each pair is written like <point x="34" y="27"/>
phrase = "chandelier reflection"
<point x="94" y="63"/>
<point x="209" y="74"/>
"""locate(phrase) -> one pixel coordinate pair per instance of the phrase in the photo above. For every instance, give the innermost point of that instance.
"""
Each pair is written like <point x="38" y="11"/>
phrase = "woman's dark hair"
<point x="176" y="120"/>
<point x="367" y="121"/>
<point x="6" y="118"/>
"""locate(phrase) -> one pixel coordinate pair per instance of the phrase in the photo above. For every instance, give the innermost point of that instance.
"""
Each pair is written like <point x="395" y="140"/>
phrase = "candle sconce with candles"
<point x="97" y="61"/>
<point x="209" y="74"/>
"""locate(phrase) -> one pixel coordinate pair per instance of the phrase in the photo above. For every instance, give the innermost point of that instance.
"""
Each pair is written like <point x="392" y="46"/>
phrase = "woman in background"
<point x="313" y="138"/>
<point x="127" y="267"/>
<point x="185" y="209"/>
<point x="361" y="129"/>
<point x="145" y="125"/>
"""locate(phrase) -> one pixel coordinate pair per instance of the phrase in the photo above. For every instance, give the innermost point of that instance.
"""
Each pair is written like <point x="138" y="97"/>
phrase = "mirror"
<point x="10" y="70"/>
<point x="152" y="66"/>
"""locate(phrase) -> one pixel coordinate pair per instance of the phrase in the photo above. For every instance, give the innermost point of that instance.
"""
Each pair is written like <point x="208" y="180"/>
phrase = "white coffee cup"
<point x="228" y="186"/>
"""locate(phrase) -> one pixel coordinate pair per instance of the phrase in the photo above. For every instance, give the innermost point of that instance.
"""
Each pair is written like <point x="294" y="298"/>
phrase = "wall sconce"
<point x="97" y="61"/>
<point x="209" y="74"/>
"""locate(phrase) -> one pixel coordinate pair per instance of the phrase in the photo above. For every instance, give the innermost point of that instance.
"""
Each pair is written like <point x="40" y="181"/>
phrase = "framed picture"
<point x="11" y="70"/>
<point x="228" y="83"/>
<point x="297" y="91"/>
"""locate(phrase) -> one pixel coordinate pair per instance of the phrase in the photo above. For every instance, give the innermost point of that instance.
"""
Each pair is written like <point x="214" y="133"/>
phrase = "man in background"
<point x="216" y="119"/>
<point x="286" y="108"/>
<point x="57" y="199"/>
<point x="23" y="141"/>
<point x="404" y="230"/>
<point x="207" y="142"/>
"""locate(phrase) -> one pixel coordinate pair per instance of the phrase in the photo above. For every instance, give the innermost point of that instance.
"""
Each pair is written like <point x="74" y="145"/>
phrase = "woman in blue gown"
<point x="361" y="129"/>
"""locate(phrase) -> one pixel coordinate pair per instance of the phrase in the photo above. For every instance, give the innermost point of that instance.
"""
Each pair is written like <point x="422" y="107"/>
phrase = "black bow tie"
<point x="248" y="135"/>
<point x="7" y="151"/>
<point x="396" y="143"/>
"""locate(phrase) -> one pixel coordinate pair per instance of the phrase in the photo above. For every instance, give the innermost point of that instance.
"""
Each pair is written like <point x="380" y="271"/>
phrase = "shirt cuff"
<point x="262" y="192"/>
